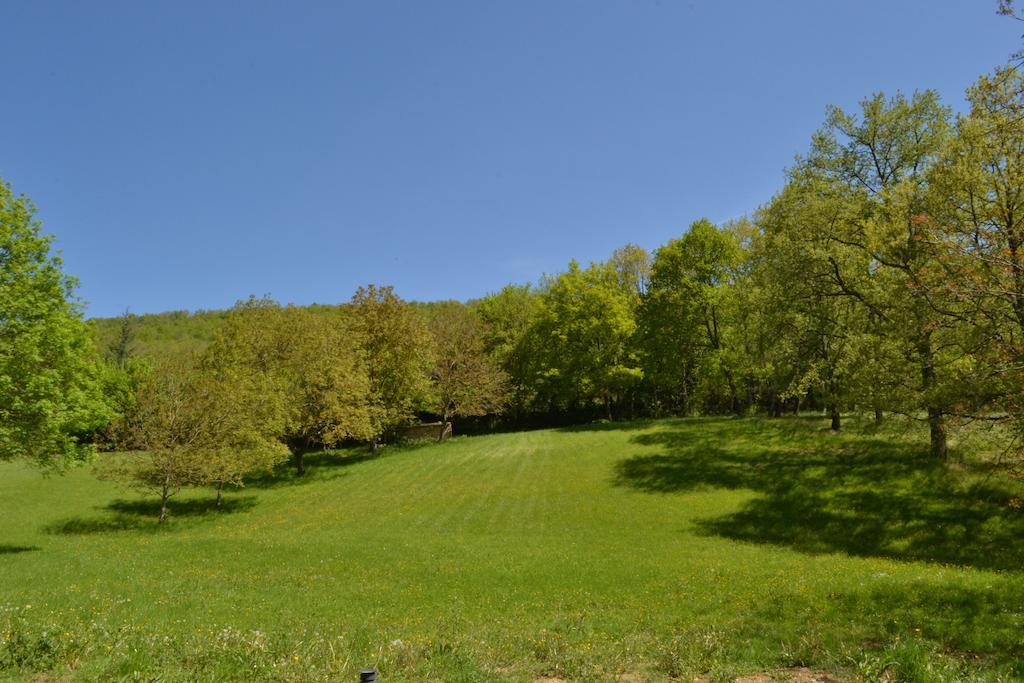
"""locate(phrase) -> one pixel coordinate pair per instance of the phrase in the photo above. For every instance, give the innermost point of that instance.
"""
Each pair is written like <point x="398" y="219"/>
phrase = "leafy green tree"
<point x="122" y="348"/>
<point x="978" y="213"/>
<point x="191" y="426"/>
<point x="306" y="369"/>
<point x="881" y="158"/>
<point x="632" y="266"/>
<point x="119" y="386"/>
<point x="466" y="381"/>
<point x="49" y="397"/>
<point x="689" y="291"/>
<point x="824" y="327"/>
<point x="328" y="383"/>
<point x="508" y="316"/>
<point x="584" y="331"/>
<point x="245" y="438"/>
<point x="397" y="348"/>
<point x="670" y="343"/>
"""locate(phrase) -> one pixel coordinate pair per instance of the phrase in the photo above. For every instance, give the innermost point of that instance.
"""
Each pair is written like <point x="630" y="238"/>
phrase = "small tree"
<point x="191" y="426"/>
<point x="246" y="428"/>
<point x="122" y="348"/>
<point x="466" y="380"/>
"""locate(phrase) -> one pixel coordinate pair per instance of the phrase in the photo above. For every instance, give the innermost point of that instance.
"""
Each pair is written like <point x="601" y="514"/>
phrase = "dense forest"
<point x="886" y="278"/>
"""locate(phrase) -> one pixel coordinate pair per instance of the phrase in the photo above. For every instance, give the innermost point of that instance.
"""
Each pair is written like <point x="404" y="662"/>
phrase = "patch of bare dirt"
<point x="796" y="675"/>
<point x="631" y="678"/>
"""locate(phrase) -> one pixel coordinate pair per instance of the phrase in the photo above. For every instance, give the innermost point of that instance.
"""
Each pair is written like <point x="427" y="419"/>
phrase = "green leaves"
<point x="48" y="393"/>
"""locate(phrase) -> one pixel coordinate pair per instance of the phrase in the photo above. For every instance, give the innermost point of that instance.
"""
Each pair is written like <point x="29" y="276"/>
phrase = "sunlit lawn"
<point x="673" y="549"/>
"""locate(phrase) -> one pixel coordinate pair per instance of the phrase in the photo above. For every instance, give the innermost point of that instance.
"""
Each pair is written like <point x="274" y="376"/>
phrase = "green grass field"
<point x="663" y="550"/>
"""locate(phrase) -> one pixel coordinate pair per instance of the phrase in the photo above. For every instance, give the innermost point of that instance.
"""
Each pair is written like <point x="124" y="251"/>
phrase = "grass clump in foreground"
<point x="666" y="550"/>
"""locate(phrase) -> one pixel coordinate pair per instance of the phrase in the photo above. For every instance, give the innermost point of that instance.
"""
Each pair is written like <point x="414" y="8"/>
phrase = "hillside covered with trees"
<point x="792" y="442"/>
<point x="886" y="277"/>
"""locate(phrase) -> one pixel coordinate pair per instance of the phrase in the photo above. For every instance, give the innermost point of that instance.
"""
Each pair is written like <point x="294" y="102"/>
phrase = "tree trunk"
<point x="936" y="416"/>
<point x="300" y="461"/>
<point x="444" y="423"/>
<point x="937" y="433"/>
<point x="774" y="404"/>
<point x="879" y="417"/>
<point x="165" y="495"/>
<point x="833" y="401"/>
<point x="733" y="398"/>
<point x="220" y="493"/>
<point x="608" y="406"/>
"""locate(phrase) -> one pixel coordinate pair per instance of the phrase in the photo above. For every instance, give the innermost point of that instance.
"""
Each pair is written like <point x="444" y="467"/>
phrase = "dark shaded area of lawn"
<point x="143" y="515"/>
<point x="6" y="549"/>
<point x="819" y="493"/>
<point x="320" y="465"/>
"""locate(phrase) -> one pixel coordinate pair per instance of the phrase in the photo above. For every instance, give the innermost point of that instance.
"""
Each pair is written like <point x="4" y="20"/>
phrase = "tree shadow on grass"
<point x="605" y="426"/>
<point x="821" y="494"/>
<point x="328" y="464"/>
<point x="320" y="466"/>
<point x="15" y="549"/>
<point x="143" y="515"/>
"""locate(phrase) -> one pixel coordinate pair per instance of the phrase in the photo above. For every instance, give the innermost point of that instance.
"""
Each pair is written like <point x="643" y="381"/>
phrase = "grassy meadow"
<point x="664" y="550"/>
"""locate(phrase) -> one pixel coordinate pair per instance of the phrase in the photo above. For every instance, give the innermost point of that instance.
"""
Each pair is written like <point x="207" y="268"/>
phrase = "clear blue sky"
<point x="186" y="154"/>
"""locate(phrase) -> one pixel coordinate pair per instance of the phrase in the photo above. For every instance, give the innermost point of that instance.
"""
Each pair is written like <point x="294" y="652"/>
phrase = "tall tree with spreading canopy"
<point x="880" y="159"/>
<point x="978" y="213"/>
<point x="48" y="393"/>
<point x="307" y="368"/>
<point x="583" y="338"/>
<point x="688" y="293"/>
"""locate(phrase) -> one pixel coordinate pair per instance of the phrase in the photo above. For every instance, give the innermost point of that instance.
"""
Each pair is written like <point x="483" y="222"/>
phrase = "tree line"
<point x="886" y="277"/>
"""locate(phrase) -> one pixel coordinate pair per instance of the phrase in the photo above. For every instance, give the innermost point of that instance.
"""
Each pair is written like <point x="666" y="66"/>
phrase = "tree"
<point x="48" y="394"/>
<point x="397" y="349"/>
<point x="119" y="386"/>
<point x="327" y="382"/>
<point x="978" y="215"/>
<point x="688" y="293"/>
<point x="822" y="320"/>
<point x="305" y="366"/>
<point x="122" y="348"/>
<point x="466" y="380"/>
<point x="191" y="426"/>
<point x="583" y="337"/>
<point x="632" y="266"/>
<point x="247" y="430"/>
<point x="880" y="159"/>
<point x="508" y="316"/>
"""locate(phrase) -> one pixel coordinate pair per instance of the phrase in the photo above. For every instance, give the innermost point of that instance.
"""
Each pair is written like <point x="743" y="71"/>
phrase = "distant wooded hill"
<point x="159" y="335"/>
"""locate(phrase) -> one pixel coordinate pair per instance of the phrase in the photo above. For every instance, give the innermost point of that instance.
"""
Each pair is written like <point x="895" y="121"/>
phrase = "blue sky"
<point x="186" y="154"/>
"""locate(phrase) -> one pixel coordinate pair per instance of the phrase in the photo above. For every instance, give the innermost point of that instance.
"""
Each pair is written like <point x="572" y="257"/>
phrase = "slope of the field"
<point x="659" y="550"/>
